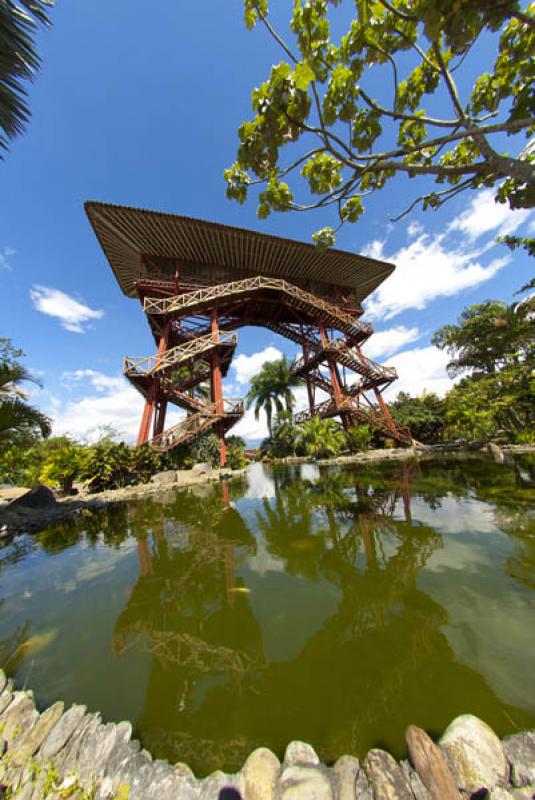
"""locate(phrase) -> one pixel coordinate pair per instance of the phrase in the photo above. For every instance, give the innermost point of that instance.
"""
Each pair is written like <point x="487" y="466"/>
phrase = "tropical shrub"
<point x="321" y="438"/>
<point x="62" y="465"/>
<point x="358" y="438"/>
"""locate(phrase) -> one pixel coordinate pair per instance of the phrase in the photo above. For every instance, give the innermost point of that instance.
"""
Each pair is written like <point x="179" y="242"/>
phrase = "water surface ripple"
<point x="333" y="605"/>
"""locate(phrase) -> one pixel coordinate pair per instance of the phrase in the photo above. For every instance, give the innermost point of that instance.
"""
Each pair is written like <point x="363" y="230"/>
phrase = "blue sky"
<point x="142" y="108"/>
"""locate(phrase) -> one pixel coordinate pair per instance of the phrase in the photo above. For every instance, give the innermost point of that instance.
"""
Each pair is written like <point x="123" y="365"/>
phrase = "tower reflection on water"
<point x="296" y="615"/>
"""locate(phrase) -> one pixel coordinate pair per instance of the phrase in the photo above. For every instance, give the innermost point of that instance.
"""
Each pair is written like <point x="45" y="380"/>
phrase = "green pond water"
<point x="333" y="605"/>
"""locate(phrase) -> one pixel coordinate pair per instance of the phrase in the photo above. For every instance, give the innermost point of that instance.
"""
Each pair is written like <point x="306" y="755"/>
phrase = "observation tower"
<point x="199" y="281"/>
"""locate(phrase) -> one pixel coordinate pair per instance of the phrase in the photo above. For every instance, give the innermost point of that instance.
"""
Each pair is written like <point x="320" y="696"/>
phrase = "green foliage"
<point x="415" y="53"/>
<point x="358" y="438"/>
<point x="424" y="415"/>
<point x="321" y="438"/>
<point x="62" y="465"/>
<point x="489" y="336"/>
<point x="496" y="345"/>
<point x="271" y="389"/>
<point x="19" y="421"/>
<point x="18" y="23"/>
<point x="204" y="448"/>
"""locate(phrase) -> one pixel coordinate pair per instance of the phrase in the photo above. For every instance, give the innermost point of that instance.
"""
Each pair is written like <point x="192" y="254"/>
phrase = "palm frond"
<point x="19" y="61"/>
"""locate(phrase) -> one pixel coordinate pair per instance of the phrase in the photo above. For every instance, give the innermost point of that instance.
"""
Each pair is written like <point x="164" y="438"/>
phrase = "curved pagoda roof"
<point x="134" y="238"/>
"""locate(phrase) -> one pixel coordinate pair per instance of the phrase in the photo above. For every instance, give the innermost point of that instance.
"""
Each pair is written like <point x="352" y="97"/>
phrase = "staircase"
<point x="198" y="422"/>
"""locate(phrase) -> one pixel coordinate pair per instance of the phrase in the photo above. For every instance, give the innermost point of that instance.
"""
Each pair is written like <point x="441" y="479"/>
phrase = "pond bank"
<point x="15" y="518"/>
<point x="404" y="454"/>
<point x="71" y="753"/>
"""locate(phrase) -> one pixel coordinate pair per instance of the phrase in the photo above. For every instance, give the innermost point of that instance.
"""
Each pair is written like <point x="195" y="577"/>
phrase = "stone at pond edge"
<point x="260" y="773"/>
<point x="346" y="770"/>
<point x="520" y="752"/>
<point x="431" y="765"/>
<point x="31" y="741"/>
<point x="386" y="777"/>
<point x="213" y="785"/>
<point x="166" y="476"/>
<point x="304" y="783"/>
<point x="475" y="754"/>
<point x="19" y="716"/>
<point x="62" y="731"/>
<point x="415" y="782"/>
<point x="300" y="753"/>
<point x="38" y="497"/>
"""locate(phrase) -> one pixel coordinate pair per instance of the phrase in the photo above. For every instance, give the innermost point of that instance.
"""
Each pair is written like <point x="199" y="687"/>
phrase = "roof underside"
<point x="131" y="237"/>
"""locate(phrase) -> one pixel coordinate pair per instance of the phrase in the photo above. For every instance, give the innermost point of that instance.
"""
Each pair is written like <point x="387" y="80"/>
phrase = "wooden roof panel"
<point x="126" y="234"/>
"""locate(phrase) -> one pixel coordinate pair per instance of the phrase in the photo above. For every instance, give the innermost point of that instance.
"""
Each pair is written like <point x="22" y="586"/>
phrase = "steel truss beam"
<point x="196" y="322"/>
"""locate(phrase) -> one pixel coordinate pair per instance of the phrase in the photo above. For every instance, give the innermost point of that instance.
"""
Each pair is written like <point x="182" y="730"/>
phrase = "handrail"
<point x="182" y="302"/>
<point x="148" y="365"/>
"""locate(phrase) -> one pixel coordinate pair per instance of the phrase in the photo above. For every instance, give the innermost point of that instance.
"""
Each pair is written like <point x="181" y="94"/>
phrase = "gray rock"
<point x="19" y="717"/>
<point x="5" y="699"/>
<point x="520" y="753"/>
<point x="432" y="769"/>
<point x="166" y="476"/>
<point x="203" y="468"/>
<point x="67" y="759"/>
<point x="363" y="788"/>
<point x="62" y="732"/>
<point x="25" y="792"/>
<point x="346" y="770"/>
<point x="260" y="773"/>
<point x="386" y="777"/>
<point x="417" y="787"/>
<point x="31" y="741"/>
<point x="184" y="771"/>
<point x="210" y="787"/>
<point x="38" y="497"/>
<point x="475" y="754"/>
<point x="304" y="783"/>
<point x="300" y="753"/>
<point x="135" y="773"/>
<point x="94" y="751"/>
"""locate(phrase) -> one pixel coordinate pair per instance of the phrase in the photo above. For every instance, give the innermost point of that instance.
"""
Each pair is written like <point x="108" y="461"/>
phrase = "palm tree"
<point x="19" y="61"/>
<point x="16" y="415"/>
<point x="271" y="389"/>
<point x="322" y="438"/>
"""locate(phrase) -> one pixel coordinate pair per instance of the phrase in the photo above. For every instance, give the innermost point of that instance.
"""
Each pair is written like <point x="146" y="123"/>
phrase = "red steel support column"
<point x="152" y="395"/>
<point x="335" y="379"/>
<point x="386" y="411"/>
<point x="217" y="389"/>
<point x="159" y="420"/>
<point x="310" y="387"/>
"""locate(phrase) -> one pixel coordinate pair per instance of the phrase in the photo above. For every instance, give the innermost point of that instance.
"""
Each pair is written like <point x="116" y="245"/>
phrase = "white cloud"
<point x="373" y="249"/>
<point x="67" y="309"/>
<point x="98" y="380"/>
<point x="252" y="429"/>
<point x="414" y="229"/>
<point x="113" y="401"/>
<point x="422" y="369"/>
<point x="247" y="366"/>
<point x="5" y="254"/>
<point x="384" y="343"/>
<point x="484" y="215"/>
<point x="426" y="269"/>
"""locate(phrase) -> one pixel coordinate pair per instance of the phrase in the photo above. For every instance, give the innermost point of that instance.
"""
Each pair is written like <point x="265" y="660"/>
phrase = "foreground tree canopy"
<point x="346" y="142"/>
<point x="19" y="61"/>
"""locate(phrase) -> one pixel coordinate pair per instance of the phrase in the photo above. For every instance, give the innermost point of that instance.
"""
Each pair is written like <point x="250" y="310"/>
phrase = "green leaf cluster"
<point x="417" y="50"/>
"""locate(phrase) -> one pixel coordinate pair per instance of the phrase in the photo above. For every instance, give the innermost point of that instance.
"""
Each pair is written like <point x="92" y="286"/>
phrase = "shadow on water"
<point x="312" y="611"/>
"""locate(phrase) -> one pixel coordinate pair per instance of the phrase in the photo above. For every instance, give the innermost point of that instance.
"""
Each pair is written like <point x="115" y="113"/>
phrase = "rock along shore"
<point x="72" y="754"/>
<point x="17" y="517"/>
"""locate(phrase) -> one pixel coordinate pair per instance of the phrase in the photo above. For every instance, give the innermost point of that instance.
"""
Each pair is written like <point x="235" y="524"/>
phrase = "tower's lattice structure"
<point x="199" y="281"/>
